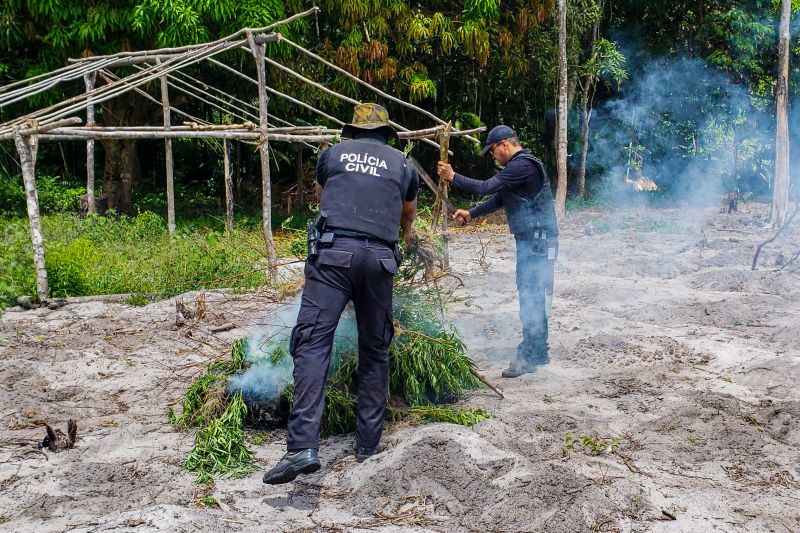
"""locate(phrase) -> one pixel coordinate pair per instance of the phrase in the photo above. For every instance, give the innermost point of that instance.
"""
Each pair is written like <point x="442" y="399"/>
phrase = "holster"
<point x="539" y="239"/>
<point x="313" y="234"/>
<point x="552" y="255"/>
<point x="398" y="254"/>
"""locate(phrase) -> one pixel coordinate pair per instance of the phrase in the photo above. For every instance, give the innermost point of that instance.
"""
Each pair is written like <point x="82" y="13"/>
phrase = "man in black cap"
<point x="522" y="187"/>
<point x="367" y="193"/>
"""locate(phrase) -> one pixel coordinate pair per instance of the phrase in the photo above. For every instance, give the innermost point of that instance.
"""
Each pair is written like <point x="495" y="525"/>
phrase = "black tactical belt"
<point x="361" y="236"/>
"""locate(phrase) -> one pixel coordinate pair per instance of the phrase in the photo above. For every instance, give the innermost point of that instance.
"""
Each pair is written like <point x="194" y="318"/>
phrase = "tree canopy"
<point x="675" y="86"/>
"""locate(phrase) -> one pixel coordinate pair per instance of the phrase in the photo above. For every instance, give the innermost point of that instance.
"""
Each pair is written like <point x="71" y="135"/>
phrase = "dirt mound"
<point x="480" y="486"/>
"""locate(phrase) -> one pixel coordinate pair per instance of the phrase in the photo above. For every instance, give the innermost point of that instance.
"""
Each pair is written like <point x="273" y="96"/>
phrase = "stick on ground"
<point x="486" y="382"/>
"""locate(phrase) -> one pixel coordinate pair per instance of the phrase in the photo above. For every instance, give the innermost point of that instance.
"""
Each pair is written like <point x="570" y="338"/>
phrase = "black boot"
<point x="363" y="453"/>
<point x="294" y="463"/>
<point x="519" y="367"/>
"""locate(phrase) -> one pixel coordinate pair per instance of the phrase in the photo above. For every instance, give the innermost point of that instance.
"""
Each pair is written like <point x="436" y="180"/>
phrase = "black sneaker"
<point x="293" y="464"/>
<point x="362" y="453"/>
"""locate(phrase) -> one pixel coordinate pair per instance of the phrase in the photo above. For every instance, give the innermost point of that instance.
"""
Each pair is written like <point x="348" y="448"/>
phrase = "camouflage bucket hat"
<point x="369" y="117"/>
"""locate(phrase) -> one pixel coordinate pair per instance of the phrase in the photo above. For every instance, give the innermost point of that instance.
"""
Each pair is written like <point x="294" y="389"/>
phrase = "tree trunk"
<point x="561" y="156"/>
<point x="585" y="118"/>
<point x="226" y="151"/>
<point x="780" y="191"/>
<point x="586" y="113"/>
<point x="169" y="167"/>
<point x="299" y="168"/>
<point x="122" y="170"/>
<point x="238" y="171"/>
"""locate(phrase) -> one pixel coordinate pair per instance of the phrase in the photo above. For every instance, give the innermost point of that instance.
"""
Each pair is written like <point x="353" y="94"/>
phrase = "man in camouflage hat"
<point x="367" y="192"/>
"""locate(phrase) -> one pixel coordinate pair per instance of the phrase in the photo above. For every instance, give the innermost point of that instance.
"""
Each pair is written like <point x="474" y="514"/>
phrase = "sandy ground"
<point x="671" y="355"/>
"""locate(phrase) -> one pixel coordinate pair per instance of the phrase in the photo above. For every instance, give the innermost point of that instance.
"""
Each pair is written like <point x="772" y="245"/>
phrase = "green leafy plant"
<point x="589" y="445"/>
<point x="219" y="447"/>
<point x="462" y="416"/>
<point x="205" y="397"/>
<point x="118" y="254"/>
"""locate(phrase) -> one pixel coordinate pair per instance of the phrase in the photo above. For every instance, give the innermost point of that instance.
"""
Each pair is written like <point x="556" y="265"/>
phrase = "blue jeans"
<point x="531" y="276"/>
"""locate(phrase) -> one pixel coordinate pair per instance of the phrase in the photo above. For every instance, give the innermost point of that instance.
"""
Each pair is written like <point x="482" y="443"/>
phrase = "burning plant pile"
<point x="429" y="370"/>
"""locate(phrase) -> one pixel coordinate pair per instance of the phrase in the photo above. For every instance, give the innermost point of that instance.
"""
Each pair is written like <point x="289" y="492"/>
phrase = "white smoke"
<point x="687" y="126"/>
<point x="268" y="375"/>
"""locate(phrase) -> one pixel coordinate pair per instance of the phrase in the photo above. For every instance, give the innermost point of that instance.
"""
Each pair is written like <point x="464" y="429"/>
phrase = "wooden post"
<point x="226" y="149"/>
<point x="300" y="195"/>
<point x="259" y="50"/>
<point x="443" y="140"/>
<point x="444" y="150"/>
<point x="27" y="147"/>
<point x="89" y="80"/>
<point x="168" y="155"/>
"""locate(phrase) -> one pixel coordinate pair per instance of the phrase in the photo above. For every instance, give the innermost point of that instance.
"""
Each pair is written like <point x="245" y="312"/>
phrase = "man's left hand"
<point x="445" y="171"/>
<point x="409" y="237"/>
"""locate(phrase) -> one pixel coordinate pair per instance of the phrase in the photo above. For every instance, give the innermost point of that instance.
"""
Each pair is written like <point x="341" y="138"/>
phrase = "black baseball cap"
<point x="497" y="134"/>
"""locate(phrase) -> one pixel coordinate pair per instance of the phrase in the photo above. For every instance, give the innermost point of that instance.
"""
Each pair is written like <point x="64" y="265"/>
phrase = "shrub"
<point x="12" y="196"/>
<point x="70" y="268"/>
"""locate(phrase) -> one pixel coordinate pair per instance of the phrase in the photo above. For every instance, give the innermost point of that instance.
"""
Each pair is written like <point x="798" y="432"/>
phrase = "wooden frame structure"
<point x="60" y="123"/>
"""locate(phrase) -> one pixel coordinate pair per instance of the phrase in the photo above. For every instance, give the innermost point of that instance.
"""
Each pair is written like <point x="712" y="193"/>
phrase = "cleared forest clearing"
<point x="671" y="395"/>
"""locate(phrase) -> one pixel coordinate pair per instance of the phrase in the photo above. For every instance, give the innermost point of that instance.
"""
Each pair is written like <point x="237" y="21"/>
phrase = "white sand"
<point x="664" y="340"/>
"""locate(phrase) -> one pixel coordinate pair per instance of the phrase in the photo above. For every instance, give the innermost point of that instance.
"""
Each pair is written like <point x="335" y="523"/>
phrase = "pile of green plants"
<point x="219" y="445"/>
<point x="429" y="371"/>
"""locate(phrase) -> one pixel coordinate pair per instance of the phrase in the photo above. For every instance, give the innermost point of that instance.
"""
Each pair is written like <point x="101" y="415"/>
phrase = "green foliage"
<point x="119" y="254"/>
<point x="295" y="245"/>
<point x="69" y="268"/>
<point x="208" y="501"/>
<point x="462" y="416"/>
<point x="219" y="448"/>
<point x="589" y="445"/>
<point x="55" y="195"/>
<point x="12" y="196"/>
<point x="204" y="398"/>
<point x="482" y="9"/>
<point x="427" y="370"/>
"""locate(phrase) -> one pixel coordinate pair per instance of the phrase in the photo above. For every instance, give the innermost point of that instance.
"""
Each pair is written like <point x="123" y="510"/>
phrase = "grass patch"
<point x="589" y="445"/>
<point x="662" y="225"/>
<point x="578" y="204"/>
<point x="119" y="254"/>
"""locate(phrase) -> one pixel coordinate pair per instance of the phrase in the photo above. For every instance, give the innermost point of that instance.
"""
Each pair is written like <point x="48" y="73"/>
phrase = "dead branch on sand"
<point x="760" y="246"/>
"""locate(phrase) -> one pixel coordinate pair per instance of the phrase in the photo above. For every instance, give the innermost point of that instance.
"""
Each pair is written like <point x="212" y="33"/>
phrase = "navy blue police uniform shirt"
<point x="412" y="179"/>
<point x="520" y="175"/>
